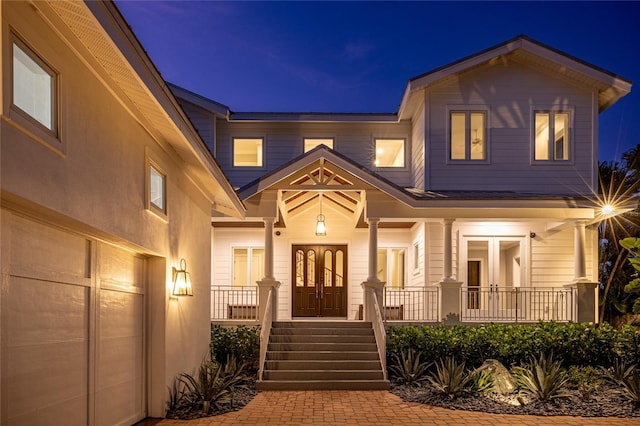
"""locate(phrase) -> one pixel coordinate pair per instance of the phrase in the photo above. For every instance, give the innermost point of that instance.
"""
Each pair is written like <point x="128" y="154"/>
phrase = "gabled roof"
<point x="611" y="87"/>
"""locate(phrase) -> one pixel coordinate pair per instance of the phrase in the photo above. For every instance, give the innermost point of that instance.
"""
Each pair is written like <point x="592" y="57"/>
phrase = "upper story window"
<point x="157" y="190"/>
<point x="389" y="153"/>
<point x="34" y="87"/>
<point x="248" y="152"/>
<point x="248" y="266"/>
<point x="310" y="143"/>
<point x="468" y="132"/>
<point x="551" y="134"/>
<point x="392" y="266"/>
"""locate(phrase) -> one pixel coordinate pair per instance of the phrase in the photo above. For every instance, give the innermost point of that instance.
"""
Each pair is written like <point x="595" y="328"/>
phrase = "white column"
<point x="580" y="259"/>
<point x="448" y="250"/>
<point x="373" y="250"/>
<point x="268" y="248"/>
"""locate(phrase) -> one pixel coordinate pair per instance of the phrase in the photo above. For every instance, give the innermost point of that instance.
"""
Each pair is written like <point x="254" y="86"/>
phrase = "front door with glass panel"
<point x="319" y="280"/>
<point x="493" y="273"/>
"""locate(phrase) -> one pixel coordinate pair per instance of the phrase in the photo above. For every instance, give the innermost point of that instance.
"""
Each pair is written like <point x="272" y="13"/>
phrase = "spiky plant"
<point x="631" y="386"/>
<point x="618" y="371"/>
<point x="543" y="378"/>
<point x="481" y="382"/>
<point x="408" y="368"/>
<point x="450" y="378"/>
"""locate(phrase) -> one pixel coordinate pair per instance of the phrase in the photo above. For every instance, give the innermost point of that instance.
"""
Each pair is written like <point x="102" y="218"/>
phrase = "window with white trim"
<point x="248" y="152"/>
<point x="551" y="135"/>
<point x="389" y="153"/>
<point x="392" y="267"/>
<point x="157" y="190"/>
<point x="34" y="87"/>
<point x="248" y="266"/>
<point x="310" y="143"/>
<point x="467" y="135"/>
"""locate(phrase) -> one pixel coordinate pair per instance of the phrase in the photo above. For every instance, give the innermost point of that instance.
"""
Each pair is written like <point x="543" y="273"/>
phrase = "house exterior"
<point x="105" y="187"/>
<point x="475" y="201"/>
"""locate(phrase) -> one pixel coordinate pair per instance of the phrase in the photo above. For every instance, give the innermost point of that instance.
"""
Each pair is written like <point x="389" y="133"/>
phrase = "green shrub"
<point x="241" y="343"/>
<point x="408" y="368"/>
<point x="543" y="378"/>
<point x="572" y="343"/>
<point x="586" y="380"/>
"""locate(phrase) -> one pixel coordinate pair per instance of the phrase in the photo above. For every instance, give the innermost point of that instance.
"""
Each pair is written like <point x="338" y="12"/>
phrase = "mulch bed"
<point x="606" y="402"/>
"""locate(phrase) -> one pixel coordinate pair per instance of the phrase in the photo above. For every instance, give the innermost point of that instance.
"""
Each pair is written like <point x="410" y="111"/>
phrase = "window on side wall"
<point x="248" y="266"/>
<point x="248" y="152"/>
<point x="34" y="88"/>
<point x="551" y="135"/>
<point x="157" y="190"/>
<point x="389" y="153"/>
<point x="310" y="143"/>
<point x="467" y="139"/>
<point x="392" y="267"/>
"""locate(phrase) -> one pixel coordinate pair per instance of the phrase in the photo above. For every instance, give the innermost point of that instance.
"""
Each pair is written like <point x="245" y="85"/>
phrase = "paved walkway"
<point x="370" y="408"/>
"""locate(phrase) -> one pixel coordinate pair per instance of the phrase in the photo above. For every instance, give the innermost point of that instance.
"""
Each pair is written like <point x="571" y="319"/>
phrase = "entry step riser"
<point x="288" y="331"/>
<point x="322" y="339"/>
<point x="321" y="355"/>
<point x="322" y="375"/>
<point x="322" y="365"/>
<point x="347" y="347"/>
<point x="321" y="324"/>
<point x="323" y="385"/>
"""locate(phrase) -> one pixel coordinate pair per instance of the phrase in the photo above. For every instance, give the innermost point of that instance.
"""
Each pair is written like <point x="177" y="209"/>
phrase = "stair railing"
<point x="265" y="331"/>
<point x="380" y="333"/>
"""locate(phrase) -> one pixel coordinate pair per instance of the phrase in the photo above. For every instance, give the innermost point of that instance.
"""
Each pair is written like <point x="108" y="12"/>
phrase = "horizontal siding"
<point x="511" y="91"/>
<point x="552" y="259"/>
<point x="417" y="147"/>
<point x="284" y="142"/>
<point x="203" y="121"/>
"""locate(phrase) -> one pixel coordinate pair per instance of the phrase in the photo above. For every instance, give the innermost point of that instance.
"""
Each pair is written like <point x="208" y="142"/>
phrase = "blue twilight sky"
<point x="358" y="56"/>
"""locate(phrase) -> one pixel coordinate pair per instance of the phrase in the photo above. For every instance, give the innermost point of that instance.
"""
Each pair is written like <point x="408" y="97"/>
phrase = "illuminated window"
<point x="551" y="135"/>
<point x="391" y="267"/>
<point x="247" y="152"/>
<point x="157" y="190"/>
<point x="389" y="153"/>
<point x="248" y="266"/>
<point x="468" y="135"/>
<point x="310" y="143"/>
<point x="33" y="87"/>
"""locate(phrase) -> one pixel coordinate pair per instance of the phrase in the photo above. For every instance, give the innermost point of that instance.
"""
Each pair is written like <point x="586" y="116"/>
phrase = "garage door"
<point x="72" y="327"/>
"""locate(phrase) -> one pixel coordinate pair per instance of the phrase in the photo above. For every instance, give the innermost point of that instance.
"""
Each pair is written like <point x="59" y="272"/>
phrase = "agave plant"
<point x="631" y="386"/>
<point x="481" y="381"/>
<point x="450" y="378"/>
<point x="408" y="368"/>
<point x="618" y="372"/>
<point x="543" y="378"/>
<point x="212" y="385"/>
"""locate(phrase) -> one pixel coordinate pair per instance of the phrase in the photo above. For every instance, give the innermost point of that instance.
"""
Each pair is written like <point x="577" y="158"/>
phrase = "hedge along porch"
<point x="431" y="257"/>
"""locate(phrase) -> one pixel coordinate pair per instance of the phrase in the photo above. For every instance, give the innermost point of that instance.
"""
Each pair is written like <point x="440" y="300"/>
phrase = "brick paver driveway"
<point x="370" y="408"/>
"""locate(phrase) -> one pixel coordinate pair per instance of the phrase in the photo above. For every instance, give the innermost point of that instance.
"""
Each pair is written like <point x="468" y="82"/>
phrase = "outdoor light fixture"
<point x="607" y="209"/>
<point x="182" y="280"/>
<point x="321" y="230"/>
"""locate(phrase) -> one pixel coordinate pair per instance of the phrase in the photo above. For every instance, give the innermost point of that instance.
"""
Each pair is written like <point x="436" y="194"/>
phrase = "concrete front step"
<point x="322" y="365"/>
<point x="322" y="355"/>
<point x="314" y="347"/>
<point x="333" y="338"/>
<point x="323" y="385"/>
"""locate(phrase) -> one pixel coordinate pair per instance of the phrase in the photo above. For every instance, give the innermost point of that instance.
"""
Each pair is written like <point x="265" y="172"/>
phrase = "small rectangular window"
<point x="467" y="135"/>
<point x="248" y="152"/>
<point x="551" y="137"/>
<point x="391" y="267"/>
<point x="389" y="153"/>
<point x="310" y="143"/>
<point x="157" y="189"/>
<point x="33" y="87"/>
<point x="416" y="255"/>
<point x="248" y="266"/>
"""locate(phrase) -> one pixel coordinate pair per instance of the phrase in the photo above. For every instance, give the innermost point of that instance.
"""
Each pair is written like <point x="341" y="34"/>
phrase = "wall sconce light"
<point x="181" y="280"/>
<point x="532" y="234"/>
<point x="321" y="230"/>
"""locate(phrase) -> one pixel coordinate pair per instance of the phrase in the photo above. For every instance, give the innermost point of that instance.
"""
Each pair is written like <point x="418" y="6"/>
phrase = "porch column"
<point x="450" y="288"/>
<point x="585" y="290"/>
<point x="268" y="282"/>
<point x="372" y="285"/>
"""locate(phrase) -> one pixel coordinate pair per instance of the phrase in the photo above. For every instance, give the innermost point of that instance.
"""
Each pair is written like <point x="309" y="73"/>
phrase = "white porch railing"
<point x="229" y="303"/>
<point x="379" y="331"/>
<point x="411" y="304"/>
<point x="519" y="304"/>
<point x="265" y="331"/>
